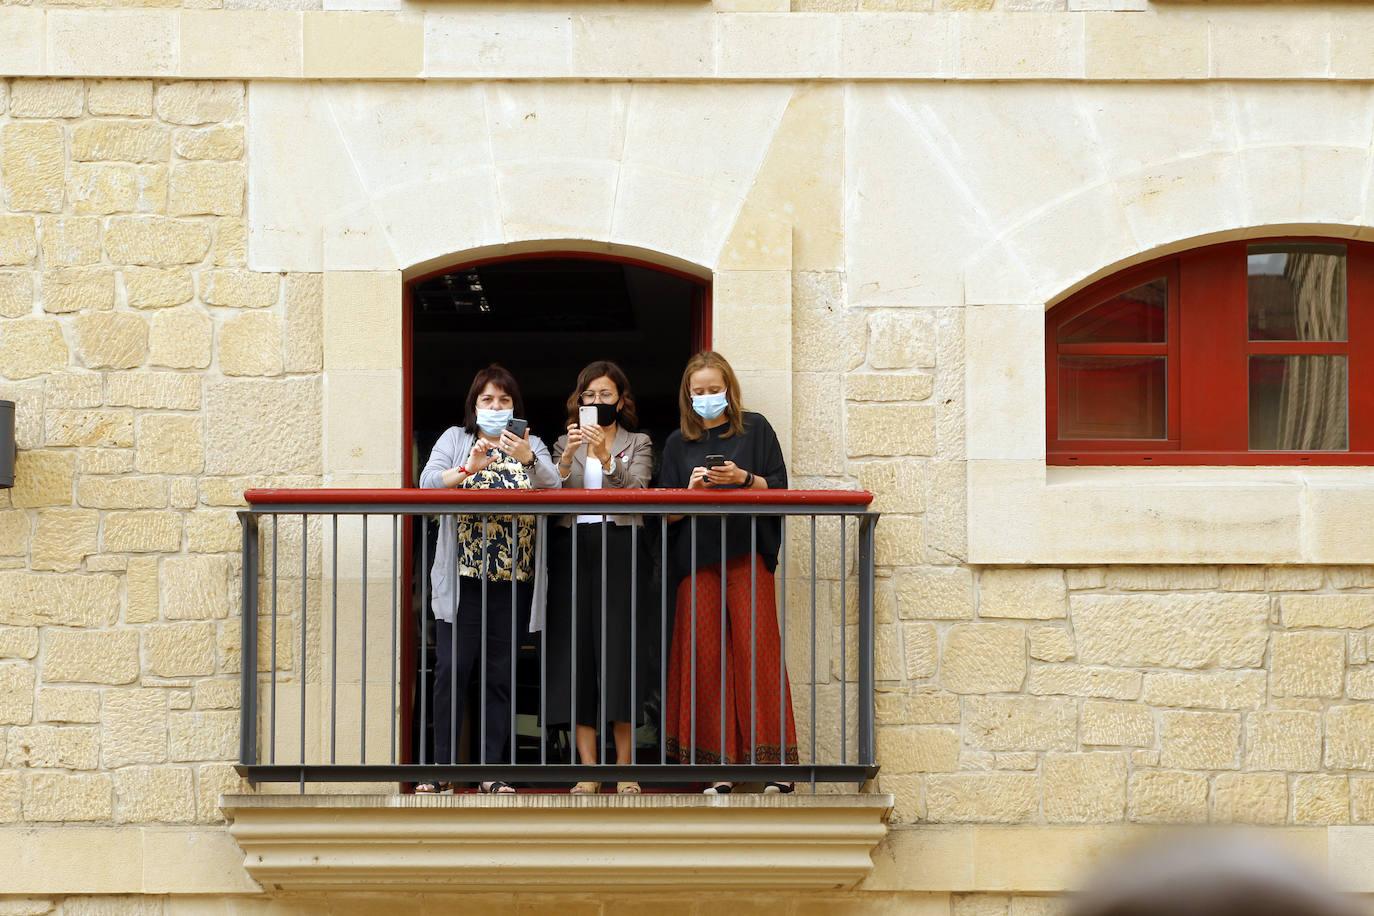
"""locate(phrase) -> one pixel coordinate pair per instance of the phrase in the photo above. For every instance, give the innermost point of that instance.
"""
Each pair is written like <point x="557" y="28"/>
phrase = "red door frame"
<point x="701" y="340"/>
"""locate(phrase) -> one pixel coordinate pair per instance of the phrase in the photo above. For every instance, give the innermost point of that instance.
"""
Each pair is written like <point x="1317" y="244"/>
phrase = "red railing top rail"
<point x="631" y="497"/>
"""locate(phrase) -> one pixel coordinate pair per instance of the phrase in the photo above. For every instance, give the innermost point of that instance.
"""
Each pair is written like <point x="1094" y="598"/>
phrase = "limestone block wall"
<point x="1231" y="694"/>
<point x="155" y="377"/>
<point x="200" y="288"/>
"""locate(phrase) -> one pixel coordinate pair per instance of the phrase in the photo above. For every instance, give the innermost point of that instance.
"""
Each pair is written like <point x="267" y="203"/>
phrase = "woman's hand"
<point x="723" y="475"/>
<point x="698" y="479"/>
<point x="598" y="443"/>
<point x="518" y="447"/>
<point x="480" y="456"/>
<point x="575" y="441"/>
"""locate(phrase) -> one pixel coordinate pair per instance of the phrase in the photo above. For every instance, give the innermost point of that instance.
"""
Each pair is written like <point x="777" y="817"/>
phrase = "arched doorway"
<point x="543" y="316"/>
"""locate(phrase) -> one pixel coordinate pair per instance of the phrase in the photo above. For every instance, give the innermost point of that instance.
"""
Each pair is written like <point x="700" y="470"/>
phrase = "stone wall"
<point x="1234" y="694"/>
<point x="155" y="377"/>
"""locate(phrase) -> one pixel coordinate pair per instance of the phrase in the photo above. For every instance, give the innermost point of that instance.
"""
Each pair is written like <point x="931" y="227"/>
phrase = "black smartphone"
<point x="518" y="427"/>
<point x="715" y="461"/>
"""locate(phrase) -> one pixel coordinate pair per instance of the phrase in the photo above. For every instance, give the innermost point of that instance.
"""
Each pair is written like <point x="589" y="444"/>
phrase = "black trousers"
<point x="457" y="665"/>
<point x="576" y="638"/>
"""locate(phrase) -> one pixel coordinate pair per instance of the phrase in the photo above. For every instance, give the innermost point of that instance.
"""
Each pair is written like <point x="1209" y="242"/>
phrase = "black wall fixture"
<point x="6" y="444"/>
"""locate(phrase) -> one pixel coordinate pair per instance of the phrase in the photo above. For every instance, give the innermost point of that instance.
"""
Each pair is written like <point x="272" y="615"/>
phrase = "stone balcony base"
<point x="556" y="842"/>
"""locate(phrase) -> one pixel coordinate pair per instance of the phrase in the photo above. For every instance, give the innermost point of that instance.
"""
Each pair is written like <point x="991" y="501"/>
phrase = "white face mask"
<point x="493" y="422"/>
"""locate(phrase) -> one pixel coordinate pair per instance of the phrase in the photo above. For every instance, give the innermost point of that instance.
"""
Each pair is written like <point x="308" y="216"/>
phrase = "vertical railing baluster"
<point x="543" y="685"/>
<point x="753" y="633"/>
<point x="782" y="651"/>
<point x="453" y="653"/>
<point x="692" y="719"/>
<point x="600" y="722"/>
<point x="392" y="711"/>
<point x="334" y="640"/>
<point x="844" y="652"/>
<point x="813" y="654"/>
<point x="573" y="756"/>
<point x="425" y="731"/>
<point x="482" y="650"/>
<point x="634" y="656"/>
<point x="514" y="604"/>
<point x="722" y="635"/>
<point x="272" y="730"/>
<point x="865" y="558"/>
<point x="362" y="696"/>
<point x="300" y="665"/>
<point x="663" y="639"/>
<point x="248" y="650"/>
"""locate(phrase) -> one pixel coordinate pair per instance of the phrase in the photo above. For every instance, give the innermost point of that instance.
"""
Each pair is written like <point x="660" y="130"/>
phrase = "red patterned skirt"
<point x="752" y="689"/>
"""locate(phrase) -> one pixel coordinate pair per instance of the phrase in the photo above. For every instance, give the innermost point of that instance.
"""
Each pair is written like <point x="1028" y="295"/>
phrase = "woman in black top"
<point x="744" y="454"/>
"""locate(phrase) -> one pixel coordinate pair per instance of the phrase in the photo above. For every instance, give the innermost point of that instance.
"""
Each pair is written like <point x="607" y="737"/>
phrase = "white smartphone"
<point x="586" y="415"/>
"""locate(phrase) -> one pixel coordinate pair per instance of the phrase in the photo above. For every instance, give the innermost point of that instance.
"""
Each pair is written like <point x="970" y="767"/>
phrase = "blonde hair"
<point x="692" y="426"/>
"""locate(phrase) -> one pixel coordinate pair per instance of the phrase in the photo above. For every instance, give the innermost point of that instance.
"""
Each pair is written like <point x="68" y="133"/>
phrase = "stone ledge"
<point x="1020" y="511"/>
<point x="550" y="842"/>
<point x="692" y="43"/>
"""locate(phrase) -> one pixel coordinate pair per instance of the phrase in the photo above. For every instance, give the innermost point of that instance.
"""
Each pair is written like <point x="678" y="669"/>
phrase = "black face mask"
<point x="606" y="414"/>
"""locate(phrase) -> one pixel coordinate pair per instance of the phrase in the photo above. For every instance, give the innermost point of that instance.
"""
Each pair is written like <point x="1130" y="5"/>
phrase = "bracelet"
<point x="533" y="460"/>
<point x="749" y="481"/>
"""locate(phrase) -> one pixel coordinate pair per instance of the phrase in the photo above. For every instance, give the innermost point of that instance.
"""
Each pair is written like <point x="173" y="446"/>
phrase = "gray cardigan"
<point x="450" y="452"/>
<point x="632" y="464"/>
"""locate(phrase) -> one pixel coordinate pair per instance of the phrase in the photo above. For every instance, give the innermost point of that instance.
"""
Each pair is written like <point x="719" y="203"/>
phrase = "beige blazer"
<point x="632" y="464"/>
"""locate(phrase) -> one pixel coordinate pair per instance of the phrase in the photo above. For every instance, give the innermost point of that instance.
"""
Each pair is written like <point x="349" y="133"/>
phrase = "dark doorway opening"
<point x="543" y="317"/>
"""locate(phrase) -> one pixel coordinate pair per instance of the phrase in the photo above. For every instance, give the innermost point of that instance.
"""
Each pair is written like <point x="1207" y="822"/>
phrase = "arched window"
<point x="1252" y="352"/>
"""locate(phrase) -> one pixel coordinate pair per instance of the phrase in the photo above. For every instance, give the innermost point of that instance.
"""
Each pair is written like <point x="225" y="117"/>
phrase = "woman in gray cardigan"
<point x="484" y="454"/>
<point x="590" y="628"/>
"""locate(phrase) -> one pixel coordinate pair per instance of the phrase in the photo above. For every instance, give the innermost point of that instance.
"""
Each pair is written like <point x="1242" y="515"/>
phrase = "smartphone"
<point x="715" y="461"/>
<point x="586" y="415"/>
<point x="518" y="427"/>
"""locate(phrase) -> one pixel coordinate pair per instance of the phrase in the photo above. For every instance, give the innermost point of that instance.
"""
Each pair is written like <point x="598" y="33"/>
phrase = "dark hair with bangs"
<point x="593" y="371"/>
<point x="498" y="375"/>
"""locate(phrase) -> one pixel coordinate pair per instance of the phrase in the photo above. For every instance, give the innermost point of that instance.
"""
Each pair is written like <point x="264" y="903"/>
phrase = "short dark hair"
<point x="498" y="375"/>
<point x="593" y="371"/>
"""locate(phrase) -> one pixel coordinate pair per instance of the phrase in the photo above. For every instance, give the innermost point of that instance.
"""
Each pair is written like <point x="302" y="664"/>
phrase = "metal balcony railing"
<point x="337" y="640"/>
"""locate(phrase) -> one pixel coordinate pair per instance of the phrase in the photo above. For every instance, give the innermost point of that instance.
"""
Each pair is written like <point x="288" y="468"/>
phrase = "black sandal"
<point x="432" y="788"/>
<point x="495" y="787"/>
<point x="778" y="788"/>
<point x="720" y="788"/>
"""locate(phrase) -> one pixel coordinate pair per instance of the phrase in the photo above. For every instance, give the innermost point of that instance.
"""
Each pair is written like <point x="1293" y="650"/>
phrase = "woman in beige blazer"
<point x="584" y="617"/>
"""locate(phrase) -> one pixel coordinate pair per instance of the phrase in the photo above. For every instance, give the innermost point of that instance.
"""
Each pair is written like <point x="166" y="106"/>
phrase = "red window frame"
<point x="1207" y="349"/>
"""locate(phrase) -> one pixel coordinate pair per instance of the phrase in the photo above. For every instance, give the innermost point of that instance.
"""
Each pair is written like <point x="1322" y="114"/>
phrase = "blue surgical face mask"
<point x="709" y="406"/>
<point x="493" y="422"/>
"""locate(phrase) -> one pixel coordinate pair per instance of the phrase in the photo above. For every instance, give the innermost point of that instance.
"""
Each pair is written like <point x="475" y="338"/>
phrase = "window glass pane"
<point x="1296" y="291"/>
<point x="1111" y="397"/>
<point x="1138" y="315"/>
<point x="1297" y="402"/>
